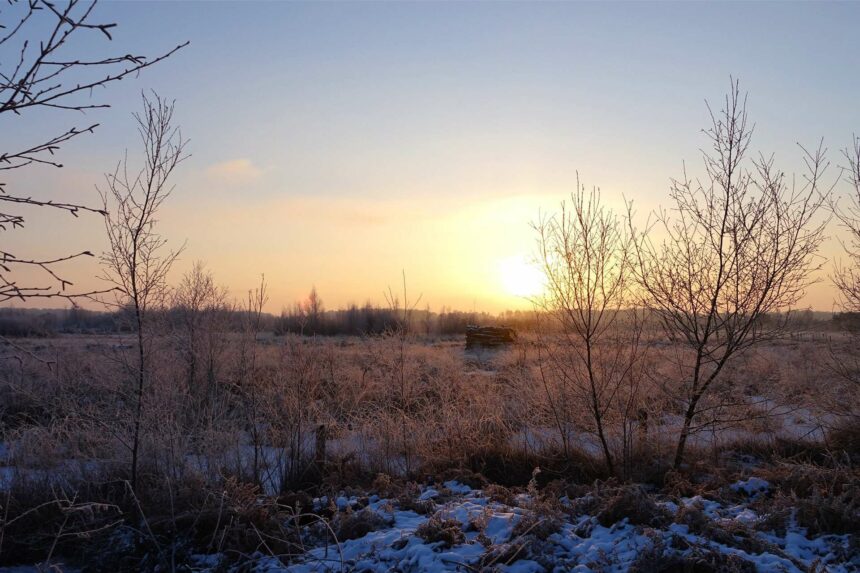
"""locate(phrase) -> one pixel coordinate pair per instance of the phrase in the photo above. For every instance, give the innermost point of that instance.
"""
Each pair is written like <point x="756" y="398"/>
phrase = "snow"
<point x="746" y="516"/>
<point x="428" y="494"/>
<point x="206" y="562"/>
<point x="499" y="526"/>
<point x="342" y="503"/>
<point x="522" y="566"/>
<point x="708" y="507"/>
<point x="456" y="487"/>
<point x="752" y="486"/>
<point x="580" y="544"/>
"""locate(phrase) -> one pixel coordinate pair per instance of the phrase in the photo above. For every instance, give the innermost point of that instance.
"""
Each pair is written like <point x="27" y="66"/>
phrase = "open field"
<point x="660" y="378"/>
<point x="276" y="447"/>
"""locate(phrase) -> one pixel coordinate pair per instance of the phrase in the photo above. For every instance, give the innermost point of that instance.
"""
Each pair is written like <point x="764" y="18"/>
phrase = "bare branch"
<point x="740" y="248"/>
<point x="44" y="76"/>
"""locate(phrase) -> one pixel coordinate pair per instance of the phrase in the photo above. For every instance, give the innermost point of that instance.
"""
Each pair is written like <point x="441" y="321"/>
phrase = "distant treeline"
<point x="21" y="322"/>
<point x="368" y="319"/>
<point x="354" y="320"/>
<point x="847" y="321"/>
<point x="300" y="319"/>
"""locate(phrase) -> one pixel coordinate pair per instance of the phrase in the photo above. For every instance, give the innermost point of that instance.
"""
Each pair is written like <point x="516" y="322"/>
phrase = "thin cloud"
<point x="235" y="171"/>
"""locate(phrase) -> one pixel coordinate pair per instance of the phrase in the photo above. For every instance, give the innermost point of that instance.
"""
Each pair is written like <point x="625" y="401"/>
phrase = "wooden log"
<point x="489" y="336"/>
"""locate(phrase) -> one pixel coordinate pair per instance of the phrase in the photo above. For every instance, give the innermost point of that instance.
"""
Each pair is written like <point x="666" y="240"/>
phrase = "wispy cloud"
<point x="235" y="171"/>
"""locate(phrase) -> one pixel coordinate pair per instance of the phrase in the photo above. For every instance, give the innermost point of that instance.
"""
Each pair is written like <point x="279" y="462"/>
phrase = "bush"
<point x="845" y="439"/>
<point x="821" y="514"/>
<point x="633" y="503"/>
<point x="408" y="500"/>
<point x="382" y="485"/>
<point x="466" y="477"/>
<point x="440" y="529"/>
<point x="694" y="559"/>
<point x="353" y="525"/>
<point x="499" y="494"/>
<point x="827" y="500"/>
<point x="504" y="554"/>
<point x="540" y="525"/>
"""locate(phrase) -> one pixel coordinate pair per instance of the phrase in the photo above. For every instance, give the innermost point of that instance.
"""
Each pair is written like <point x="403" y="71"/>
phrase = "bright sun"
<point x="519" y="278"/>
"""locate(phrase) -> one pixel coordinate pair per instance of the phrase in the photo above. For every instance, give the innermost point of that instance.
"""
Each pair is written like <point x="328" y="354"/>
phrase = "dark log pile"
<point x="489" y="336"/>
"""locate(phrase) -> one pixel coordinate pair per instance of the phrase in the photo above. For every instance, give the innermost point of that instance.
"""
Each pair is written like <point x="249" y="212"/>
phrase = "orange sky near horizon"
<point x="422" y="137"/>
<point x="462" y="253"/>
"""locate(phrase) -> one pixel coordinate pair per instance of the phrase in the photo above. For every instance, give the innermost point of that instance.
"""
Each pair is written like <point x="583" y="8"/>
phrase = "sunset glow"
<point x="429" y="286"/>
<point x="339" y="169"/>
<point x="519" y="278"/>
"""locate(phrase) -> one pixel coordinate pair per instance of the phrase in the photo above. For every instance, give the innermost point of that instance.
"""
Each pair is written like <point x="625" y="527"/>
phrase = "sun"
<point x="519" y="278"/>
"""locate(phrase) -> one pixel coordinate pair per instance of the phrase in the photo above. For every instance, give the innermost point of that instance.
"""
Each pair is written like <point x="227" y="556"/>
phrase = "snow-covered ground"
<point x="511" y="537"/>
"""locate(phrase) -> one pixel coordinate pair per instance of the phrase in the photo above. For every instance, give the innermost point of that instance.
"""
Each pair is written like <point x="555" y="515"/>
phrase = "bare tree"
<point x="138" y="261"/>
<point x="584" y="254"/>
<point x="736" y="247"/>
<point x="38" y="74"/>
<point x="199" y="311"/>
<point x="404" y="397"/>
<point x="314" y="311"/>
<point x="404" y="315"/>
<point x="847" y="278"/>
<point x="248" y="384"/>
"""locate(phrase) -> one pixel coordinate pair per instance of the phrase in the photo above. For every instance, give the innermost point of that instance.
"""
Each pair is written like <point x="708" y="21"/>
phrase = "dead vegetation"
<point x="659" y="375"/>
<point x="200" y="480"/>
<point x="695" y="560"/>
<point x="440" y="529"/>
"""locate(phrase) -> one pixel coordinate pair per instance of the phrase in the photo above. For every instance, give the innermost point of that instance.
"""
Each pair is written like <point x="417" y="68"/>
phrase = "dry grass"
<point x="352" y="525"/>
<point x="440" y="529"/>
<point x="821" y="499"/>
<point x="632" y="503"/>
<point x="248" y="423"/>
<point x="694" y="559"/>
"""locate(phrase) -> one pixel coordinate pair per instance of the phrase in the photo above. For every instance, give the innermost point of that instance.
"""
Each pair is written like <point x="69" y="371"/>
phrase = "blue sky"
<point x="336" y="143"/>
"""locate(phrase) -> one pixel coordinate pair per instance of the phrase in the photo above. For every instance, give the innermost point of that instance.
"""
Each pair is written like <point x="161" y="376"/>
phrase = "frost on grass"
<point x="616" y="528"/>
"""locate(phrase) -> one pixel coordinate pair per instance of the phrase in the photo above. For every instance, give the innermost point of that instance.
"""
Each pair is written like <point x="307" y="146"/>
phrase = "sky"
<point x="340" y="144"/>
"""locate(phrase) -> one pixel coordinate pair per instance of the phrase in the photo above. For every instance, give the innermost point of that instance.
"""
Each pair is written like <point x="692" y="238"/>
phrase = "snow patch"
<point x="752" y="487"/>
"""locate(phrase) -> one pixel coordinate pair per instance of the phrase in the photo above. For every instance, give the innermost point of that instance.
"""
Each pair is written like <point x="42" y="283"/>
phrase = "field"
<point x="660" y="370"/>
<point x="406" y="452"/>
